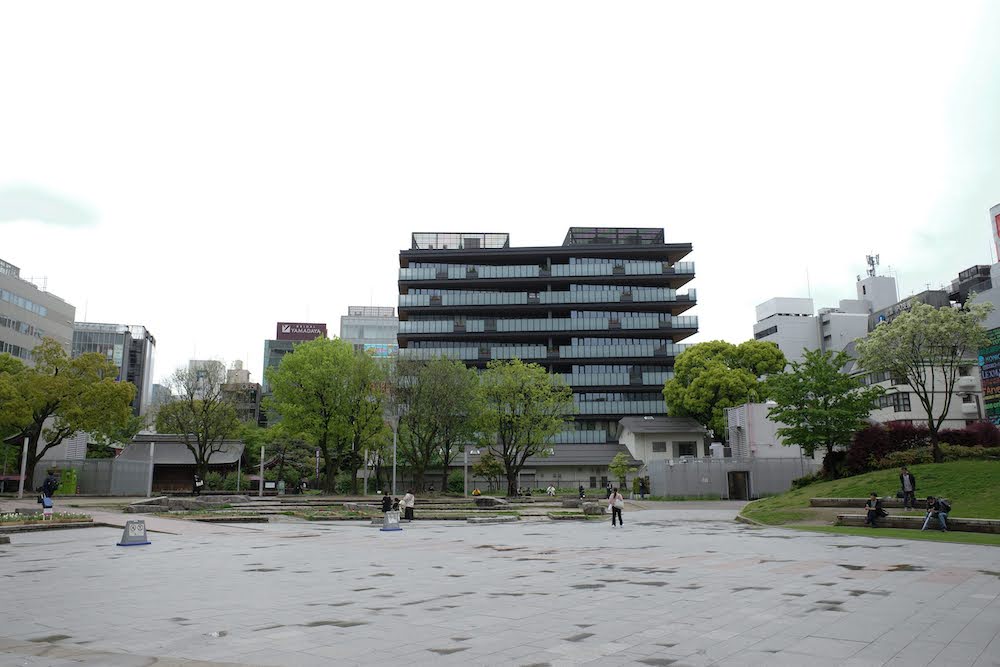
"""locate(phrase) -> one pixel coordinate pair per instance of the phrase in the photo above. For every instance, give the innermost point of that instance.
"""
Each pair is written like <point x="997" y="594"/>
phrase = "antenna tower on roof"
<point x="872" y="264"/>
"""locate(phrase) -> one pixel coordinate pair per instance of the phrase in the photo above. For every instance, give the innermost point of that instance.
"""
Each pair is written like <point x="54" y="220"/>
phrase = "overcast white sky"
<point x="207" y="169"/>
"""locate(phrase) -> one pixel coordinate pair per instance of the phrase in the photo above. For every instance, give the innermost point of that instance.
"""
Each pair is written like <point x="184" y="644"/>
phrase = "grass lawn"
<point x="907" y="534"/>
<point x="973" y="487"/>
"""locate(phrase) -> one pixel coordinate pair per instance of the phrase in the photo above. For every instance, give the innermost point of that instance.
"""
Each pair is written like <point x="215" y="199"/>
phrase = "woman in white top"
<point x="408" y="501"/>
<point x="616" y="502"/>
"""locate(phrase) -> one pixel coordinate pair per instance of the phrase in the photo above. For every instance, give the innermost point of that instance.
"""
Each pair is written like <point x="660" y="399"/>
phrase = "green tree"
<point x="333" y="397"/>
<point x="60" y="396"/>
<point x="712" y="376"/>
<point x="489" y="468"/>
<point x="817" y="404"/>
<point x="621" y="468"/>
<point x="522" y="407"/>
<point x="437" y="400"/>
<point x="926" y="346"/>
<point x="202" y="415"/>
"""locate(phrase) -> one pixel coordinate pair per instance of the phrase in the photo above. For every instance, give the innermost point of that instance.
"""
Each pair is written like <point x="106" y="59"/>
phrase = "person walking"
<point x="408" y="501"/>
<point x="940" y="508"/>
<point x="617" y="503"/>
<point x="386" y="502"/>
<point x="582" y="493"/>
<point x="49" y="486"/>
<point x="908" y="483"/>
<point x="196" y="485"/>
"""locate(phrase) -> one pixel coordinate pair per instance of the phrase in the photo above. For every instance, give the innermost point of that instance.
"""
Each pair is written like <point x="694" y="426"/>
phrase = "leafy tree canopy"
<point x="818" y="405"/>
<point x="712" y="376"/>
<point x="927" y="346"/>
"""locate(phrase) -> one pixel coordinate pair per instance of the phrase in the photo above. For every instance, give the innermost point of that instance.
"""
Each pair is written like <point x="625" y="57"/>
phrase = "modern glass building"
<point x="371" y="329"/>
<point x="129" y="347"/>
<point x="603" y="310"/>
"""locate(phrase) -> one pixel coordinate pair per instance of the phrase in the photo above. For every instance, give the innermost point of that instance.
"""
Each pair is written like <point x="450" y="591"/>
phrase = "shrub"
<point x="874" y="443"/>
<point x="835" y="465"/>
<point x="213" y="480"/>
<point x="807" y="480"/>
<point x="67" y="482"/>
<point x="956" y="452"/>
<point x="987" y="434"/>
<point x="907" y="457"/>
<point x="456" y="481"/>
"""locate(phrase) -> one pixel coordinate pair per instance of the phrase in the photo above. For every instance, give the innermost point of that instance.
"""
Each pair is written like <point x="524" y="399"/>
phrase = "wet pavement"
<point x="677" y="586"/>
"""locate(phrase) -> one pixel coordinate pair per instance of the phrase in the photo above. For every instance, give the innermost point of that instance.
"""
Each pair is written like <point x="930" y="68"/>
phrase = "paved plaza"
<point x="673" y="587"/>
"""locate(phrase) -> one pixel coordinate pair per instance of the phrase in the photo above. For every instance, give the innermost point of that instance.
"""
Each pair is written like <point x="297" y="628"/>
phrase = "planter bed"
<point x="47" y="525"/>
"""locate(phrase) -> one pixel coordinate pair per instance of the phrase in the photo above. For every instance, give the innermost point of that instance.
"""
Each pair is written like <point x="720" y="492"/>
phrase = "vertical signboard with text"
<point x="989" y="369"/>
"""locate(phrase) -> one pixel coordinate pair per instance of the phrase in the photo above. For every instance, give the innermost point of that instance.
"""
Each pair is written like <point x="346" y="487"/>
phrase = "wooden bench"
<point x="916" y="521"/>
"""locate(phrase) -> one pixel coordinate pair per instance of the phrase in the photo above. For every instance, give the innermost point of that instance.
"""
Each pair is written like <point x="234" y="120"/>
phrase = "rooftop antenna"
<point x="809" y="291"/>
<point x="872" y="265"/>
<point x="45" y="282"/>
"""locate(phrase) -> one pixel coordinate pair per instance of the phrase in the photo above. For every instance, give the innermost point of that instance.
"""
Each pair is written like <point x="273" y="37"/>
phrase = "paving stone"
<point x="678" y="584"/>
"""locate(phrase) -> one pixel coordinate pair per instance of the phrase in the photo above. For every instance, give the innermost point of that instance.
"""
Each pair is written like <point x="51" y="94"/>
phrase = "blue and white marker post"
<point x="134" y="534"/>
<point x="391" y="522"/>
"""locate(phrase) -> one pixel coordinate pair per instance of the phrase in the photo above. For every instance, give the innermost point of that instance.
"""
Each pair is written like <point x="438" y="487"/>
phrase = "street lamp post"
<point x="465" y="472"/>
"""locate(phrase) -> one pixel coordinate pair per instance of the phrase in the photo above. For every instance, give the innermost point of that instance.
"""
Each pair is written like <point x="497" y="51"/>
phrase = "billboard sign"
<point x="989" y="369"/>
<point x="381" y="350"/>
<point x="301" y="330"/>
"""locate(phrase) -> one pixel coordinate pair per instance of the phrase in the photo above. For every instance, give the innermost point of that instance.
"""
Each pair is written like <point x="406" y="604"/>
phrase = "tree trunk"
<point x="511" y="483"/>
<point x="936" y="447"/>
<point x="329" y="484"/>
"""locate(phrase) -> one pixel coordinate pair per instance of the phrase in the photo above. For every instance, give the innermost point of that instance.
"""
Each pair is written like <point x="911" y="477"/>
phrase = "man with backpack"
<point x="937" y="507"/>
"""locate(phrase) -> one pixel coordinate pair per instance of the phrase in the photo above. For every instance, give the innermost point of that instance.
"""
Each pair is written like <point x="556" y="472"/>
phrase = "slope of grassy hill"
<point x="972" y="487"/>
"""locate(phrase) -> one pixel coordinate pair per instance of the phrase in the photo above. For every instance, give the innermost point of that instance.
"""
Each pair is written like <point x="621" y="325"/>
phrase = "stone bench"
<point x="860" y="502"/>
<point x="917" y="520"/>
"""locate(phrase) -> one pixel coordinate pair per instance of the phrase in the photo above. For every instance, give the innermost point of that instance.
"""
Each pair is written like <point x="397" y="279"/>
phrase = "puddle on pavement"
<point x="613" y="581"/>
<point x="990" y="572"/>
<point x="865" y="546"/>
<point x="751" y="588"/>
<point x="829" y="602"/>
<point x="578" y="637"/>
<point x="795" y="595"/>
<point x="448" y="651"/>
<point x="657" y="662"/>
<point x="850" y="567"/>
<point x="269" y="627"/>
<point x="857" y="593"/>
<point x="382" y="574"/>
<point x="648" y="583"/>
<point x="263" y="569"/>
<point x="587" y="587"/>
<point x="906" y="567"/>
<point x="367" y="588"/>
<point x="50" y="638"/>
<point x="336" y="624"/>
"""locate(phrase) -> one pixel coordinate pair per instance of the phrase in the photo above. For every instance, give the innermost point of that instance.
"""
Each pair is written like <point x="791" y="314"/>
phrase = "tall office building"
<point x="131" y="348"/>
<point x="602" y="310"/>
<point x="287" y="334"/>
<point x="372" y="329"/>
<point x="29" y="314"/>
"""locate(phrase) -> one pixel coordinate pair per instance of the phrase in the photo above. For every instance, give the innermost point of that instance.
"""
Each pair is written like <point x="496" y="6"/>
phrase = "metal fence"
<point x="726" y="478"/>
<point x="101" y="477"/>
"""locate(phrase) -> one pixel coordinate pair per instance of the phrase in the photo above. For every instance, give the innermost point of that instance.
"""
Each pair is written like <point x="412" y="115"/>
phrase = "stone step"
<point x="493" y="519"/>
<point x="860" y="502"/>
<point x="917" y="520"/>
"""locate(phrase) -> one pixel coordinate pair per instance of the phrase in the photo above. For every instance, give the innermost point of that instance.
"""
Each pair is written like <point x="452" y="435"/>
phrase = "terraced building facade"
<point x="603" y="310"/>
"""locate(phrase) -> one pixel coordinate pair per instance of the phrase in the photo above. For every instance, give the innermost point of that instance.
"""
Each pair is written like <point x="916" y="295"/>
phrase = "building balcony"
<point x="965" y="383"/>
<point x="541" y="354"/>
<point x="614" y="408"/>
<point x="612" y="299"/>
<point x="651" y="322"/>
<point x="970" y="409"/>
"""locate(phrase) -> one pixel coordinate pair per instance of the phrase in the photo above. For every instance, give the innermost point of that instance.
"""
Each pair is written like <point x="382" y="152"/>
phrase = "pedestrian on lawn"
<point x="908" y="483"/>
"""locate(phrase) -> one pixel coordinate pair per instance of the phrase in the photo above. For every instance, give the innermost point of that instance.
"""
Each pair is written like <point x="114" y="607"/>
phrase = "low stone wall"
<point x="860" y="502"/>
<point x="916" y="521"/>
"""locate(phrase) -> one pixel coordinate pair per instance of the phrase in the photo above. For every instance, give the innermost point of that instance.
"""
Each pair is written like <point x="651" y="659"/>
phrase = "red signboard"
<point x="301" y="330"/>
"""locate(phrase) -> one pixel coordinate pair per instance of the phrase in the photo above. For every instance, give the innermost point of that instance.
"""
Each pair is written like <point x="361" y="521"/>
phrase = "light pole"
<point x="395" y="430"/>
<point x="465" y="472"/>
